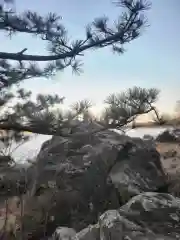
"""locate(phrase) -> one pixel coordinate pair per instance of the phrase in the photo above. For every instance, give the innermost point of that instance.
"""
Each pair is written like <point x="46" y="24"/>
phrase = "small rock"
<point x="63" y="233"/>
<point x="166" y="136"/>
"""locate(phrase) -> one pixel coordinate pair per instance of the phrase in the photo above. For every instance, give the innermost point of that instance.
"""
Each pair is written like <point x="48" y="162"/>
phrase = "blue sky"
<point x="153" y="60"/>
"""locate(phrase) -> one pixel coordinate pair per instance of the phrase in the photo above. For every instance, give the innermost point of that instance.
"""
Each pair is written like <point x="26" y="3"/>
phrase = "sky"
<point x="153" y="60"/>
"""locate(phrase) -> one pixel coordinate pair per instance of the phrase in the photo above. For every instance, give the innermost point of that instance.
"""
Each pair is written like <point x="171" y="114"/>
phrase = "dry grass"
<point x="8" y="217"/>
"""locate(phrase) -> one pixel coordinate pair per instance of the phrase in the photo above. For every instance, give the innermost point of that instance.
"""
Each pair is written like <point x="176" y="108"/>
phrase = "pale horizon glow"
<point x="150" y="61"/>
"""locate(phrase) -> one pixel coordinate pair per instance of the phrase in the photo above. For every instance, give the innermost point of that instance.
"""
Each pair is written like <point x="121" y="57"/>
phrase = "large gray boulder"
<point x="103" y="170"/>
<point x="149" y="216"/>
<point x="139" y="172"/>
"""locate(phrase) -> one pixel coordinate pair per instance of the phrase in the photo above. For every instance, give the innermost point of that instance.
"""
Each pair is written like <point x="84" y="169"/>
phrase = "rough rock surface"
<point x="148" y="216"/>
<point x="139" y="172"/>
<point x="96" y="172"/>
<point x="135" y="161"/>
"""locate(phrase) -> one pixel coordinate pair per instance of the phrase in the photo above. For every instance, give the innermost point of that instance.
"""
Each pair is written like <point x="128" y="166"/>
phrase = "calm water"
<point x="31" y="148"/>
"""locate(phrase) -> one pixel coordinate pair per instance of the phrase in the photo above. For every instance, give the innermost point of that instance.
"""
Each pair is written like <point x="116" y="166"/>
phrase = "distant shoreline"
<point x="153" y="125"/>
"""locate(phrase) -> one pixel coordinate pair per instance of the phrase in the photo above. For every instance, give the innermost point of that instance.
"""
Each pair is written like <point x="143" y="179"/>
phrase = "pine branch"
<point x="37" y="117"/>
<point x="59" y="132"/>
<point x="125" y="32"/>
<point x="64" y="53"/>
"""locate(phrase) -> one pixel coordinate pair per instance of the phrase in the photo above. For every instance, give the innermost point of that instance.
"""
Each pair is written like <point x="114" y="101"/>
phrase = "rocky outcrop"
<point x="150" y="216"/>
<point x="93" y="173"/>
